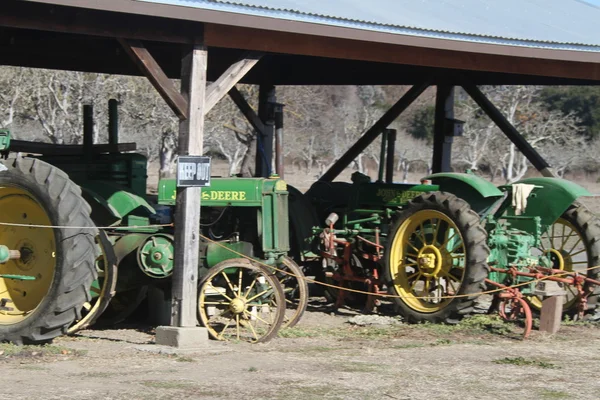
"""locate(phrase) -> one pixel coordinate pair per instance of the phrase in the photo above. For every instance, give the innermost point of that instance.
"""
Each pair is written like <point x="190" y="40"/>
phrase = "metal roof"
<point x="550" y="24"/>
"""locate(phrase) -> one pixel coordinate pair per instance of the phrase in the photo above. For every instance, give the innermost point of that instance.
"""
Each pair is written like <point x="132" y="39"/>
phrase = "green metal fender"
<point x="552" y="198"/>
<point x="111" y="203"/>
<point x="478" y="192"/>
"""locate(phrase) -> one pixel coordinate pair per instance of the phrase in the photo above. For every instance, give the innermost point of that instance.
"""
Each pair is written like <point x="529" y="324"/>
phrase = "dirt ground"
<point x="324" y="357"/>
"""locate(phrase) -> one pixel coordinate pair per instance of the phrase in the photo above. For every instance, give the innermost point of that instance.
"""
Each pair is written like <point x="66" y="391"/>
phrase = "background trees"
<point x="321" y="123"/>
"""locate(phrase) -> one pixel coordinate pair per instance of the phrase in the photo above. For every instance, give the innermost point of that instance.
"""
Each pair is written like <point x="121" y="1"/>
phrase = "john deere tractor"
<point x="80" y="239"/>
<point x="436" y="246"/>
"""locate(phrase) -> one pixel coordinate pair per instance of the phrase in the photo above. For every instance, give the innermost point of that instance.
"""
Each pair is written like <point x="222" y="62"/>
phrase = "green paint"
<point x="4" y="139"/>
<point x="18" y="277"/>
<point x="156" y="256"/>
<point x="551" y="199"/>
<point x="218" y="252"/>
<point x="447" y="179"/>
<point x="4" y="254"/>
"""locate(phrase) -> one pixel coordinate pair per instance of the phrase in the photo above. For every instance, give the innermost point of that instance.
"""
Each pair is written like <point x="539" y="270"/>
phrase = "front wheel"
<point x="437" y="249"/>
<point x="241" y="300"/>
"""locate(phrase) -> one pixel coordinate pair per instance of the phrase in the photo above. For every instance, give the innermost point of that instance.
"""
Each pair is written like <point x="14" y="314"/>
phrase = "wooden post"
<point x="442" y="142"/>
<point x="552" y="305"/>
<point x="187" y="211"/>
<point x="264" y="151"/>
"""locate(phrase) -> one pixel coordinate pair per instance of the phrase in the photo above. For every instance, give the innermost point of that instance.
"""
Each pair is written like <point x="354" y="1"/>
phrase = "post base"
<point x="193" y="337"/>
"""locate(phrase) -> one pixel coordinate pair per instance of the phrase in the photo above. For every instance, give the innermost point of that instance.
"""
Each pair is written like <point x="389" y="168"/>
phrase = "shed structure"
<point x="309" y="42"/>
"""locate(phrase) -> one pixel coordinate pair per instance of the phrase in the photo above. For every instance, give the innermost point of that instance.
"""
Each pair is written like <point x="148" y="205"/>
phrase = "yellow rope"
<point x="384" y="295"/>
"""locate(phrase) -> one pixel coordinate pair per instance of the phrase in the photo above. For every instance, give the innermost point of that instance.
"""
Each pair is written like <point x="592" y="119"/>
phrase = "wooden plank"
<point x="150" y="68"/>
<point x="534" y="62"/>
<point x="187" y="211"/>
<point x="245" y="108"/>
<point x="47" y="17"/>
<point x="229" y="79"/>
<point x="50" y="149"/>
<point x="551" y="314"/>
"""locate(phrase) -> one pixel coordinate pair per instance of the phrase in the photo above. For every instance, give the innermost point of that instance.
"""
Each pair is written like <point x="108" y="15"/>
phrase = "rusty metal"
<point x="512" y="296"/>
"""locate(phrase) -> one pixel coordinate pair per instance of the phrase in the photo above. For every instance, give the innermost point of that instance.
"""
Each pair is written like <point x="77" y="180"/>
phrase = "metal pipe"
<point x="391" y="152"/>
<point x="442" y="142"/>
<point x="279" y="162"/>
<point x="382" y="155"/>
<point x="88" y="130"/>
<point x="509" y="130"/>
<point x="113" y="121"/>
<point x="371" y="134"/>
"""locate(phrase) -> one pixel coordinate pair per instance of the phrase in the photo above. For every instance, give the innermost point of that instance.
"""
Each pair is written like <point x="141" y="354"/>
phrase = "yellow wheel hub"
<point x="237" y="305"/>
<point x="427" y="257"/>
<point x="429" y="261"/>
<point x="38" y="254"/>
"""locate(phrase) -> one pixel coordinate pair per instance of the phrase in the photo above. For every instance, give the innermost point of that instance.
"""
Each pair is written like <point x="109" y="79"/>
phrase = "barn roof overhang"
<point x="80" y="35"/>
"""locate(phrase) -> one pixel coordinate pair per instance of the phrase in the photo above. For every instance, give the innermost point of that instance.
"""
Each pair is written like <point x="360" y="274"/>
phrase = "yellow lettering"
<point x="227" y="195"/>
<point x="221" y="196"/>
<point x="234" y="196"/>
<point x="214" y="195"/>
<point x="205" y="196"/>
<point x="242" y="195"/>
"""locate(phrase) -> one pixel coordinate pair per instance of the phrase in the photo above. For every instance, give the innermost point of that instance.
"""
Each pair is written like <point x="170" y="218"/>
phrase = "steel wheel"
<point x="573" y="244"/>
<point x="241" y="300"/>
<point x="103" y="288"/>
<point x="295" y="289"/>
<point x="437" y="249"/>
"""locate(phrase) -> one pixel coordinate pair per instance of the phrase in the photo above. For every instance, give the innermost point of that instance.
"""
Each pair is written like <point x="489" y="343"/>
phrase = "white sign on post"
<point x="193" y="171"/>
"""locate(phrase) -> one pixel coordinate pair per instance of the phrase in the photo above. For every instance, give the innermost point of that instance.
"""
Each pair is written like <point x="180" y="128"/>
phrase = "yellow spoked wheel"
<point x="572" y="244"/>
<point x="102" y="289"/>
<point x="43" y="291"/>
<point x="241" y="300"/>
<point x="38" y="254"/>
<point x="295" y="289"/>
<point x="437" y="250"/>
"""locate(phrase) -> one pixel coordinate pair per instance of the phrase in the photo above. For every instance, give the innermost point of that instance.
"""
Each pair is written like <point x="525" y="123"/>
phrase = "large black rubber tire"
<point x="75" y="250"/>
<point x="588" y="226"/>
<point x="477" y="252"/>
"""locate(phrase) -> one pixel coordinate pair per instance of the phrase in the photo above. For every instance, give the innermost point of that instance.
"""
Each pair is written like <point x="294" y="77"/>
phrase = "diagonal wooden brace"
<point x="219" y="88"/>
<point x="161" y="82"/>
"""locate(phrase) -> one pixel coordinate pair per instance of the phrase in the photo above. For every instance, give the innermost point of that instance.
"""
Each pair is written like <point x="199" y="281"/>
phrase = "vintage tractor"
<point x="435" y="246"/>
<point x="87" y="245"/>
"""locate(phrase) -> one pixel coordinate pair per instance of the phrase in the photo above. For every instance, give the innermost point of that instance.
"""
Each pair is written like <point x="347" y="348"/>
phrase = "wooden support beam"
<point x="509" y="130"/>
<point x="150" y="68"/>
<point x="370" y="135"/>
<point x="245" y="108"/>
<point x="264" y="142"/>
<point x="442" y="142"/>
<point x="187" y="211"/>
<point x="219" y="88"/>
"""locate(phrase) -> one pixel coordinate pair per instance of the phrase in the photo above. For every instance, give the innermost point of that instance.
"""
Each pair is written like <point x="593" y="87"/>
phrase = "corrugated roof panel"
<point x="557" y="24"/>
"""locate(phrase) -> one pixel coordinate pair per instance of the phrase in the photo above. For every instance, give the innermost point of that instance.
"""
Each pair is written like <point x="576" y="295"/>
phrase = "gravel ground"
<point x="342" y="356"/>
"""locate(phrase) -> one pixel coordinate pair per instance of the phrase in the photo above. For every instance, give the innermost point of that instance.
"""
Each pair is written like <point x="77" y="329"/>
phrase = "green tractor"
<point x="436" y="246"/>
<point x="84" y="242"/>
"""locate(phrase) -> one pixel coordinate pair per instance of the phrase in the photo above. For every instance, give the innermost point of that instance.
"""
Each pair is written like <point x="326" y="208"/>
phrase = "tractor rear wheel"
<point x="50" y="282"/>
<point x="437" y="249"/>
<point x="573" y="245"/>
